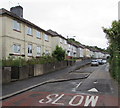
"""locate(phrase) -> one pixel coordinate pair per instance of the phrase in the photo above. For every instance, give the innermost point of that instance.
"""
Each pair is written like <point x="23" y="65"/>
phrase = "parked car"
<point x="94" y="63"/>
<point x="100" y="61"/>
<point x="104" y="61"/>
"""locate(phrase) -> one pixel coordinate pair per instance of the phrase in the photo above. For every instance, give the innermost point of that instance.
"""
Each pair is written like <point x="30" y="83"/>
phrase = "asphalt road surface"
<point x="96" y="90"/>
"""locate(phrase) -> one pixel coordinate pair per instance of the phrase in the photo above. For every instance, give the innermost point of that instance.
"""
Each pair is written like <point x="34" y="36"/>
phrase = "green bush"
<point x="22" y="62"/>
<point x="14" y="62"/>
<point x="42" y="60"/>
<point x="115" y="66"/>
<point x="59" y="53"/>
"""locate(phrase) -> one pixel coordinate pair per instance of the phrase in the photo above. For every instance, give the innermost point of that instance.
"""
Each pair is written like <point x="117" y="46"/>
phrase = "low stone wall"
<point x="6" y="74"/>
<point x="19" y="72"/>
<point x="23" y="72"/>
<point x="40" y="69"/>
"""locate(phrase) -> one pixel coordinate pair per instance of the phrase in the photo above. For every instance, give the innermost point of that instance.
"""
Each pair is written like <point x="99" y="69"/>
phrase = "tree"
<point x="113" y="36"/>
<point x="73" y="41"/>
<point x="59" y="53"/>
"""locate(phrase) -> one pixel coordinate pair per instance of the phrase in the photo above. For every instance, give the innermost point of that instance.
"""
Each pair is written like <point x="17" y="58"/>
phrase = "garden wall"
<point x="22" y="72"/>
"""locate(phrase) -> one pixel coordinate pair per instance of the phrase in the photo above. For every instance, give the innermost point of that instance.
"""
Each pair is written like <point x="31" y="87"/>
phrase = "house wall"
<point x="56" y="41"/>
<point x="87" y="53"/>
<point x="0" y="37"/>
<point x="10" y="37"/>
<point x="80" y="52"/>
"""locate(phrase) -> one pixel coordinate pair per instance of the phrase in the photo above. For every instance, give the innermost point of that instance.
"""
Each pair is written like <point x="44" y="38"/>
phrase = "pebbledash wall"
<point x="18" y="40"/>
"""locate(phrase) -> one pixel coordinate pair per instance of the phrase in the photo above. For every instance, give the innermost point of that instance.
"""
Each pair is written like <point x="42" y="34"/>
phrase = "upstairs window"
<point x="69" y="46"/>
<point x="46" y="38"/>
<point x="38" y="34"/>
<point x="29" y="31"/>
<point x="16" y="48"/>
<point x="16" y="25"/>
<point x="60" y="40"/>
<point x="30" y="50"/>
<point x="65" y="42"/>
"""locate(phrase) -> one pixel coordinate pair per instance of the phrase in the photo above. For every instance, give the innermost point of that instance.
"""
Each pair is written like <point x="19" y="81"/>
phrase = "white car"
<point x="104" y="61"/>
<point x="94" y="63"/>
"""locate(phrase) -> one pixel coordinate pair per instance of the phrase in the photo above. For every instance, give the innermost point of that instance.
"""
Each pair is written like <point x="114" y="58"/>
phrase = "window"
<point x="60" y="40"/>
<point x="65" y="42"/>
<point x="46" y="38"/>
<point x="47" y="52"/>
<point x="29" y="31"/>
<point x="29" y="49"/>
<point x="38" y="34"/>
<point x="69" y="46"/>
<point x="16" y="25"/>
<point x="38" y="50"/>
<point x="16" y="48"/>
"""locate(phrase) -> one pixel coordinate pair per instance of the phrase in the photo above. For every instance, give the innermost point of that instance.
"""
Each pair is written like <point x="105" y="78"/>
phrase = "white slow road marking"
<point x="75" y="100"/>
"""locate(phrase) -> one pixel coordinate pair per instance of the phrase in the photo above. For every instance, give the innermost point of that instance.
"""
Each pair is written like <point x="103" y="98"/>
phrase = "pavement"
<point x="17" y="87"/>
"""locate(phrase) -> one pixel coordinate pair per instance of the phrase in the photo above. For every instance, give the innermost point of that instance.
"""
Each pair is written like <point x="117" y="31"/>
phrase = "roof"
<point x="54" y="33"/>
<point x="81" y="46"/>
<point x="8" y="13"/>
<point x="74" y="44"/>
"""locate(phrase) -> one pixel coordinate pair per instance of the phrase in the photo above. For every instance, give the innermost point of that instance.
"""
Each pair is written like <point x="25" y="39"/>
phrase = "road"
<point x="96" y="90"/>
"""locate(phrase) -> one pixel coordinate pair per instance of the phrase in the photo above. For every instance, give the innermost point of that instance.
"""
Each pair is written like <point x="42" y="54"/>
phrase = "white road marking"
<point x="95" y="82"/>
<point x="75" y="100"/>
<point x="78" y="85"/>
<point x="74" y="89"/>
<point x="93" y="90"/>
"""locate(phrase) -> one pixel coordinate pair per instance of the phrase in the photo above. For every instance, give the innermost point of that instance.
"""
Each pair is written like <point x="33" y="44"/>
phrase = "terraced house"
<point x="20" y="37"/>
<point x="59" y="40"/>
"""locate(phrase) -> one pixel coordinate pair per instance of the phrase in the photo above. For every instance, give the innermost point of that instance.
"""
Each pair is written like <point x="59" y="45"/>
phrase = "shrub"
<point x="59" y="53"/>
<point x="14" y="62"/>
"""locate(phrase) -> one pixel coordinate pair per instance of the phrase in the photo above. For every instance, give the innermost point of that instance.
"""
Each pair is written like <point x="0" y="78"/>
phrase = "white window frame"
<point x="47" y="52"/>
<point x="30" y="48"/>
<point x="38" y="34"/>
<point x="46" y="37"/>
<point x="65" y="42"/>
<point x="16" y="48"/>
<point x="16" y="25"/>
<point x="29" y="31"/>
<point x="61" y="40"/>
<point x="38" y="50"/>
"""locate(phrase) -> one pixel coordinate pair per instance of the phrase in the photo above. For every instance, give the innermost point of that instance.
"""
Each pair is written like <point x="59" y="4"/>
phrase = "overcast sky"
<point x="81" y="18"/>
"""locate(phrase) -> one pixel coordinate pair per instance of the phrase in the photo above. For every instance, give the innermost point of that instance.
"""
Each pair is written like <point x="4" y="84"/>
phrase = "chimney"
<point x="18" y="10"/>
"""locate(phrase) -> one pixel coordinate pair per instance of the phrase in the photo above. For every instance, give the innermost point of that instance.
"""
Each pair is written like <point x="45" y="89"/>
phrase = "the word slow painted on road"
<point x="59" y="99"/>
<point x="75" y="100"/>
